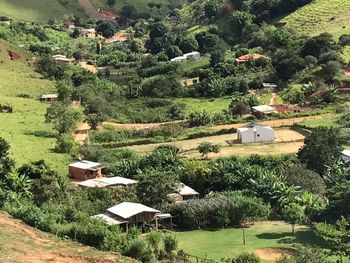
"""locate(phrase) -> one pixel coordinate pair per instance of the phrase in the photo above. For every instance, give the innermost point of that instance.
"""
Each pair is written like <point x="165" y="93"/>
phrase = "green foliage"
<point x="154" y="186"/>
<point x="107" y="28"/>
<point x="198" y="118"/>
<point x="206" y="147"/>
<point x="293" y="214"/>
<point x="63" y="119"/>
<point x="170" y="243"/>
<point x="65" y="143"/>
<point x="247" y="258"/>
<point x="138" y="249"/>
<point x="336" y="237"/>
<point x="321" y="148"/>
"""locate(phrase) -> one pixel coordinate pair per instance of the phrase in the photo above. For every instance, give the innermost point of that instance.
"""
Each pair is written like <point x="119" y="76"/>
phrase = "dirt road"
<point x="89" y="9"/>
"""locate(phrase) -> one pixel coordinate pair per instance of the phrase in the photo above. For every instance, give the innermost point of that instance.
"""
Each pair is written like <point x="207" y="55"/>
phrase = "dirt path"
<point x="272" y="123"/>
<point x="22" y="243"/>
<point x="273" y="98"/>
<point x="88" y="67"/>
<point x="89" y="9"/>
<point x="141" y="126"/>
<point x="273" y="254"/>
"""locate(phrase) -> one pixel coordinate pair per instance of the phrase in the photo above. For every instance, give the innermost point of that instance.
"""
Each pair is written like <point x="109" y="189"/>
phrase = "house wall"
<point x="142" y="217"/>
<point x="257" y="134"/>
<point x="83" y="174"/>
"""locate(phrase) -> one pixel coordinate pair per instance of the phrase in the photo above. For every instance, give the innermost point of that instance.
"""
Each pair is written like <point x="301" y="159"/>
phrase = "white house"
<point x="253" y="133"/>
<point x="188" y="56"/>
<point x="345" y="156"/>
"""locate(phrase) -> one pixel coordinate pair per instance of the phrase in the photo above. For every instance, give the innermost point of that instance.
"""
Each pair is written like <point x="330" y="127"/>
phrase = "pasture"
<point x="321" y="16"/>
<point x="270" y="236"/>
<point x="31" y="139"/>
<point x="39" y="10"/>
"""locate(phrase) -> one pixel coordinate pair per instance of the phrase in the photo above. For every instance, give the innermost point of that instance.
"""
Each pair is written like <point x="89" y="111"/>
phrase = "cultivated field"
<point x="321" y="16"/>
<point x="267" y="239"/>
<point x="287" y="141"/>
<point x="31" y="139"/>
<point x="38" y="10"/>
<point x="21" y="243"/>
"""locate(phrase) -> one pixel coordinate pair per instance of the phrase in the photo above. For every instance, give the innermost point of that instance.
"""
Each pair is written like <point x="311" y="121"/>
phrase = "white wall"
<point x="257" y="134"/>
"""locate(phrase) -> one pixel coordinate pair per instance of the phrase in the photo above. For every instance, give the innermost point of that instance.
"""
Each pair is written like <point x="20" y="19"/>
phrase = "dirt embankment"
<point x="21" y="243"/>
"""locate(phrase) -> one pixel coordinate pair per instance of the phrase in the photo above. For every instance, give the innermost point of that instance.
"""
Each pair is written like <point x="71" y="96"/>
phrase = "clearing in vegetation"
<point x="287" y="141"/>
<point x="321" y="16"/>
<point x="31" y="139"/>
<point x="21" y="243"/>
<point x="273" y="236"/>
<point x="39" y="10"/>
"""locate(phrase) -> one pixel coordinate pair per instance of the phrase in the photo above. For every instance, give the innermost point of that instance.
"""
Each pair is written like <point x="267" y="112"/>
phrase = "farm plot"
<point x="287" y="141"/>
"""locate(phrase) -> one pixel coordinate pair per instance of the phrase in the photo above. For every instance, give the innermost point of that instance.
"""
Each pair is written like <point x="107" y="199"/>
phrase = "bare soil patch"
<point x="273" y="253"/>
<point x="13" y="55"/>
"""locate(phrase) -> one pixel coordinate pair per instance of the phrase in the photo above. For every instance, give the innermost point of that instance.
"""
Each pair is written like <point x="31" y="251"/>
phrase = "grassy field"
<point x="329" y="120"/>
<point x="38" y="10"/>
<point x="213" y="105"/>
<point x="321" y="16"/>
<point x="228" y="242"/>
<point x="31" y="139"/>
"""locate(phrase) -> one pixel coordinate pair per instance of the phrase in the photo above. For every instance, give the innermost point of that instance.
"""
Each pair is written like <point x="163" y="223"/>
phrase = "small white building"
<point x="188" y="56"/>
<point x="264" y="109"/>
<point x="270" y="85"/>
<point x="254" y="133"/>
<point x="345" y="156"/>
<point x="61" y="59"/>
<point x="49" y="97"/>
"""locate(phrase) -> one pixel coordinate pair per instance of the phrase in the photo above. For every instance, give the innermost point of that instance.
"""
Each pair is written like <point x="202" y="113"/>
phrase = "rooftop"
<point x="93" y="183"/>
<point x="85" y="165"/>
<point x="264" y="108"/>
<point x="126" y="210"/>
<point x="117" y="180"/>
<point x="49" y="96"/>
<point x="183" y="189"/>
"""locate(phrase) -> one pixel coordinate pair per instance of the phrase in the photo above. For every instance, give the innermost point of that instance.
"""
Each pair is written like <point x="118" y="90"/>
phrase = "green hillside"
<point x="140" y="5"/>
<point x="30" y="137"/>
<point x="39" y="10"/>
<point x="321" y="16"/>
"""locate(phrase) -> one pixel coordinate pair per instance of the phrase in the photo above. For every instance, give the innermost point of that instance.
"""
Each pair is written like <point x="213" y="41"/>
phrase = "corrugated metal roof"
<point x="117" y="180"/>
<point x="93" y="183"/>
<point x="110" y="219"/>
<point x="186" y="190"/>
<point x="127" y="209"/>
<point x="85" y="165"/>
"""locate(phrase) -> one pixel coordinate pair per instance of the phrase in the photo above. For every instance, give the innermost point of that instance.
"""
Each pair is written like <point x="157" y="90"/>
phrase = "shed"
<point x="117" y="181"/>
<point x="254" y="133"/>
<point x="345" y="156"/>
<point x="61" y="59"/>
<point x="269" y="85"/>
<point x="178" y="59"/>
<point x="49" y="97"/>
<point x="264" y="109"/>
<point x="182" y="193"/>
<point x="192" y="55"/>
<point x="85" y="170"/>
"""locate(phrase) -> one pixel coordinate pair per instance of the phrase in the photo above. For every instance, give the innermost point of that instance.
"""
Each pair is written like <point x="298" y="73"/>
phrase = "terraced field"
<point x="330" y="16"/>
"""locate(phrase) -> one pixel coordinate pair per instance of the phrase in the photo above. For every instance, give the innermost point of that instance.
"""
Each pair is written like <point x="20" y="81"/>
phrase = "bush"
<point x="65" y="143"/>
<point x="170" y="243"/>
<point x="138" y="249"/>
<point x="247" y="258"/>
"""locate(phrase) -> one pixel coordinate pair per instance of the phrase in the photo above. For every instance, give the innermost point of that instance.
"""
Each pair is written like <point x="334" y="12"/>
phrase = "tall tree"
<point x="322" y="147"/>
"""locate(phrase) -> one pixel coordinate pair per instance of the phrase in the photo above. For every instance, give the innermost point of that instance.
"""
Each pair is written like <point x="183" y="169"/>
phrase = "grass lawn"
<point x="209" y="105"/>
<point x="30" y="137"/>
<point x="321" y="16"/>
<point x="38" y="10"/>
<point x="329" y="120"/>
<point x="228" y="242"/>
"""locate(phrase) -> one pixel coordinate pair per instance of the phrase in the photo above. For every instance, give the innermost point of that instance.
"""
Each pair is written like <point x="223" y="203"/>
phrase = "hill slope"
<point x="21" y="243"/>
<point x="39" y="10"/>
<point x="321" y="16"/>
<point x="31" y="139"/>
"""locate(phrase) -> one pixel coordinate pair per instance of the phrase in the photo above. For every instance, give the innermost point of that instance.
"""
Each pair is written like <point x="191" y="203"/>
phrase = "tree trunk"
<point x="293" y="231"/>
